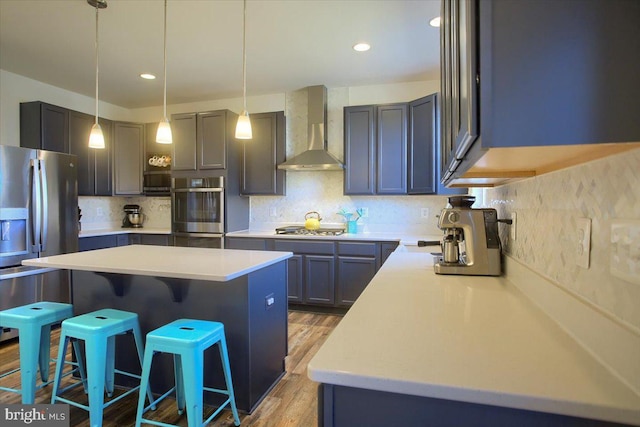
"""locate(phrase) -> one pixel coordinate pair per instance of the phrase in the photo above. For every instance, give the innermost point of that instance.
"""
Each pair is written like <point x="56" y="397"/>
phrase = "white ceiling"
<point x="290" y="44"/>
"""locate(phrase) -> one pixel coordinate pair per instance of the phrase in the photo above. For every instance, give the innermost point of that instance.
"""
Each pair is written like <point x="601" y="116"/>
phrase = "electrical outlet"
<point x="583" y="246"/>
<point x="625" y="250"/>
<point x="365" y="212"/>
<point x="513" y="233"/>
<point x="99" y="212"/>
<point x="273" y="211"/>
<point x="424" y="212"/>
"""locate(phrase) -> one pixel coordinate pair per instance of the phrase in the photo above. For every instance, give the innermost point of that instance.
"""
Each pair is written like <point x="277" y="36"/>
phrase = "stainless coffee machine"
<point x="133" y="216"/>
<point x="470" y="245"/>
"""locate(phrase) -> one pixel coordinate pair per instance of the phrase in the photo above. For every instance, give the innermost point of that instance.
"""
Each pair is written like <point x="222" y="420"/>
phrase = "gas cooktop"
<point x="299" y="229"/>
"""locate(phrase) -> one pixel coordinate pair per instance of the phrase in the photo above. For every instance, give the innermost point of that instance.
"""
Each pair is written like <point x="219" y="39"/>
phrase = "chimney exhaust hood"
<point x="316" y="157"/>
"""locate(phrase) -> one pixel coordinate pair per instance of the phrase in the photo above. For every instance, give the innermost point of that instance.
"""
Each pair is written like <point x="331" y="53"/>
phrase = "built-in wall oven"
<point x="197" y="215"/>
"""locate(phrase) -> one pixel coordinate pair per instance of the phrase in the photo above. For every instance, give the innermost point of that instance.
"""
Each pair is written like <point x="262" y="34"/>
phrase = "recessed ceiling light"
<point x="147" y="76"/>
<point x="435" y="22"/>
<point x="361" y="47"/>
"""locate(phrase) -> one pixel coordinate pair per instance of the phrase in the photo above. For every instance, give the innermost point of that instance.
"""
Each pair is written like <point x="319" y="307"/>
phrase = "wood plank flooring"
<point x="291" y="403"/>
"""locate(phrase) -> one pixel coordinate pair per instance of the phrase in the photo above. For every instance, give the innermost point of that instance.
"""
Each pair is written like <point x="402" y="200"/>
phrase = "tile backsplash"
<point x="608" y="192"/>
<point x="98" y="212"/>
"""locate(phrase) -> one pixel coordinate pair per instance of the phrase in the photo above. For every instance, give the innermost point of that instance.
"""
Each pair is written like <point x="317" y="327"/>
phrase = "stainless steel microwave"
<point x="157" y="183"/>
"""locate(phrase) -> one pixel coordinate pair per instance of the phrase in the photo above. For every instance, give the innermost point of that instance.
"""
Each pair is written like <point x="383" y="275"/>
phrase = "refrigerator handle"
<point x="35" y="213"/>
<point x="44" y="205"/>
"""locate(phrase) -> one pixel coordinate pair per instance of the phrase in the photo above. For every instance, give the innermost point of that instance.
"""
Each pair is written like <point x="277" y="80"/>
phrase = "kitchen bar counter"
<point x="166" y="261"/>
<point x="453" y="339"/>
<point x="245" y="290"/>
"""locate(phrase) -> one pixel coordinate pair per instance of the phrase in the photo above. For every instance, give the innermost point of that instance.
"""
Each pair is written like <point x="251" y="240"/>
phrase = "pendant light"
<point x="243" y="128"/>
<point x="163" y="136"/>
<point x="96" y="137"/>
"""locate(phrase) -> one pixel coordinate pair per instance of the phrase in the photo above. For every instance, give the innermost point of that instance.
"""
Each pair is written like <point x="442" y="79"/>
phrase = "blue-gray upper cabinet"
<point x="183" y="129"/>
<point x="506" y="84"/>
<point x="359" y="150"/>
<point x="128" y="158"/>
<point x="44" y="126"/>
<point x="375" y="141"/>
<point x="261" y="155"/>
<point x="49" y="127"/>
<point x="95" y="177"/>
<point x="422" y="146"/>
<point x="200" y="140"/>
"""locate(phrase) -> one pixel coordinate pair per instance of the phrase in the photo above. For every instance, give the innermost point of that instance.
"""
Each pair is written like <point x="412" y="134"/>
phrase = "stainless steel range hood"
<point x="316" y="157"/>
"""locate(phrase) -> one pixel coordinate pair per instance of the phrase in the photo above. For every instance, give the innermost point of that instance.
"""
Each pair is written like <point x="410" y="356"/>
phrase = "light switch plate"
<point x="625" y="250"/>
<point x="583" y="248"/>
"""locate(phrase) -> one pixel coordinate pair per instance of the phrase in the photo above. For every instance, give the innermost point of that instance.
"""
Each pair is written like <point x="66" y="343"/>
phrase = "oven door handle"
<point x="197" y="190"/>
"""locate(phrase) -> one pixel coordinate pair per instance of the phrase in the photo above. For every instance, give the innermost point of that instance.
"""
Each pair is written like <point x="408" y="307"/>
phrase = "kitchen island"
<point x="424" y="349"/>
<point x="245" y="290"/>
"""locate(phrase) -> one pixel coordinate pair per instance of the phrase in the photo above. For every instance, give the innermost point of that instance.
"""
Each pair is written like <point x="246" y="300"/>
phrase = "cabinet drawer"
<point x="305" y="247"/>
<point x="245" y="243"/>
<point x="358" y="249"/>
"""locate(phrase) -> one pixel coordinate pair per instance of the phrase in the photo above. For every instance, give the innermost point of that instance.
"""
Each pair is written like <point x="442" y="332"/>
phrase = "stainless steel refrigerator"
<point x="38" y="218"/>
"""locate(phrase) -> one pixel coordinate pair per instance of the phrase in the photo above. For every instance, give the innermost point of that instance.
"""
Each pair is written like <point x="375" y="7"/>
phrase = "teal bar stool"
<point x="187" y="340"/>
<point x="98" y="330"/>
<point x="33" y="322"/>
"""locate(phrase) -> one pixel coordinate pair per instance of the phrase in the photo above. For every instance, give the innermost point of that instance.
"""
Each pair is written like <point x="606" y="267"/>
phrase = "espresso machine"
<point x="133" y="216"/>
<point x="471" y="245"/>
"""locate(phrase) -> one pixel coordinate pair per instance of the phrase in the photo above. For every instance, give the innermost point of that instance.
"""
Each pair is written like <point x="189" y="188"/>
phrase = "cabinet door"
<point x="97" y="242"/>
<point x="44" y="126"/>
<point x="103" y="162"/>
<point x="79" y="129"/>
<point x="211" y="140"/>
<point x="319" y="279"/>
<point x="155" y="239"/>
<point x="359" y="150"/>
<point x="55" y="128"/>
<point x="261" y="155"/>
<point x="386" y="249"/>
<point x="128" y="153"/>
<point x="465" y="77"/>
<point x="294" y="279"/>
<point x="422" y="146"/>
<point x="391" y="149"/>
<point x="183" y="127"/>
<point x="354" y="274"/>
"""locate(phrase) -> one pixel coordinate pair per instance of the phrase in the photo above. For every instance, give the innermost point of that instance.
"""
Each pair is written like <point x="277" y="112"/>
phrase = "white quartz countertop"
<point x="219" y="265"/>
<point x="402" y="238"/>
<point x="464" y="338"/>
<point x="119" y="230"/>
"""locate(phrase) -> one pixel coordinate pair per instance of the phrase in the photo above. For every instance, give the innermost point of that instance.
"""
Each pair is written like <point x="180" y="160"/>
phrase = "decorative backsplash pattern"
<point x="547" y="208"/>
<point x="98" y="212"/>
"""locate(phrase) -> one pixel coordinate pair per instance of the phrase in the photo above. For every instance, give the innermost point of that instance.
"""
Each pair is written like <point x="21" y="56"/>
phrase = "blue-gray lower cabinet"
<point x="341" y="406"/>
<point x="327" y="273"/>
<point x="102" y="242"/>
<point x="354" y="274"/>
<point x="150" y="239"/>
<point x="295" y="279"/>
<point x="320" y="279"/>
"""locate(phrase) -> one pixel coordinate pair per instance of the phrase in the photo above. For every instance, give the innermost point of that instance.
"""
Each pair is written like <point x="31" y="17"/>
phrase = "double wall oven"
<point x="197" y="216"/>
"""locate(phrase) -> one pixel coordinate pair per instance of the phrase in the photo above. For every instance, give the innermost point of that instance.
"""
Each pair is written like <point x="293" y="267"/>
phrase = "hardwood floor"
<point x="291" y="403"/>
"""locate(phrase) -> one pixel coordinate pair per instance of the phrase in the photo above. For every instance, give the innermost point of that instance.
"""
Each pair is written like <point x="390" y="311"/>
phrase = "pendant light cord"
<point x="97" y="63"/>
<point x="244" y="55"/>
<point x="165" y="59"/>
